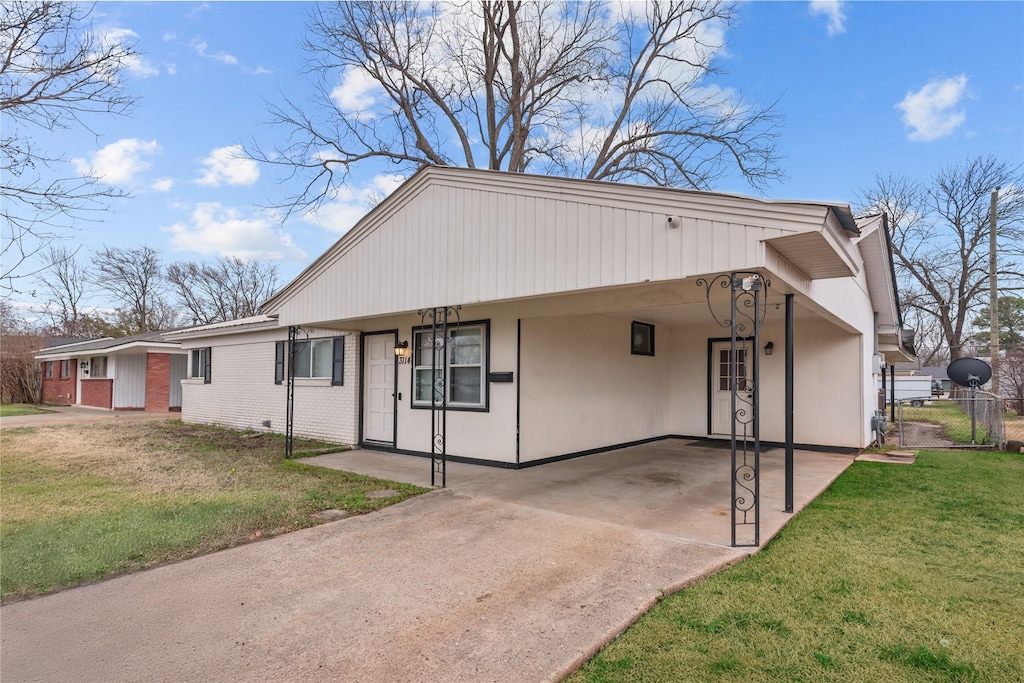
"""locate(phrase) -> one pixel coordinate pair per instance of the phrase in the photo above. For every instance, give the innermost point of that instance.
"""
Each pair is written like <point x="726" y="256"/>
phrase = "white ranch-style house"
<point x="581" y="316"/>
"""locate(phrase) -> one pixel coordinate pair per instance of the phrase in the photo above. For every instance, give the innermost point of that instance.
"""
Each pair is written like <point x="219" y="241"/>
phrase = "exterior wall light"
<point x="84" y="365"/>
<point x="769" y="348"/>
<point x="401" y="349"/>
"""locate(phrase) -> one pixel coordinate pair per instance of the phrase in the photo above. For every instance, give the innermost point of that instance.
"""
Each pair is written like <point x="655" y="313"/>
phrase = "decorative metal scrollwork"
<point x="443" y="323"/>
<point x="747" y="310"/>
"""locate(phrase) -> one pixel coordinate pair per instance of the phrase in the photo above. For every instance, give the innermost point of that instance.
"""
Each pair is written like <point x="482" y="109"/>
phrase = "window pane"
<point x="197" y="364"/>
<point x="465" y="385"/>
<point x="424" y="393"/>
<point x="323" y="354"/>
<point x="425" y="350"/>
<point x="302" y="365"/>
<point x="465" y="347"/>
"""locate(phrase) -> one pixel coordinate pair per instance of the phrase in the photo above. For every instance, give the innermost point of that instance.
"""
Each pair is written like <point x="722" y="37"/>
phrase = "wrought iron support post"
<point x="289" y="420"/>
<point x="439" y="320"/>
<point x="746" y="315"/>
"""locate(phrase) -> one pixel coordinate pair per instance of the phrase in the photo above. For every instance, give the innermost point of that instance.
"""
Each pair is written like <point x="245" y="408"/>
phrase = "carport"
<point x="677" y="487"/>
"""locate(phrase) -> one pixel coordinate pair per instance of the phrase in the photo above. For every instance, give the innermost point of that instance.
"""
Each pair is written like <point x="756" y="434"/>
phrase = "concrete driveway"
<point x="453" y="585"/>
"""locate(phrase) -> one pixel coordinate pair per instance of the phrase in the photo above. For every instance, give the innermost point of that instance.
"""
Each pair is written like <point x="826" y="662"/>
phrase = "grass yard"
<point x="16" y="409"/>
<point x="896" y="573"/>
<point x="84" y="502"/>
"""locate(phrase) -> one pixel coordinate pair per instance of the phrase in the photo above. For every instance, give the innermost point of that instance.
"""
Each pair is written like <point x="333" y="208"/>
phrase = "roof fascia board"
<point x="222" y="331"/>
<point x="156" y="347"/>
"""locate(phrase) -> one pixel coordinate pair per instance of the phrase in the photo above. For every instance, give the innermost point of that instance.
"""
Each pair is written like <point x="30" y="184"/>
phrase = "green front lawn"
<point x="84" y="502"/>
<point x="16" y="409"/>
<point x="896" y="573"/>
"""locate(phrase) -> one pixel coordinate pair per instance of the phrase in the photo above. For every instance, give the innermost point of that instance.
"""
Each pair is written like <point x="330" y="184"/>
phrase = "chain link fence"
<point x="954" y="422"/>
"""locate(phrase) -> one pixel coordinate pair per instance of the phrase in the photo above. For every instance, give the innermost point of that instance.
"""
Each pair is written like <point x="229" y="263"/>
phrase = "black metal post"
<point x="734" y="387"/>
<point x="790" y="370"/>
<point x="289" y="420"/>
<point x="892" y="394"/>
<point x="439" y="338"/>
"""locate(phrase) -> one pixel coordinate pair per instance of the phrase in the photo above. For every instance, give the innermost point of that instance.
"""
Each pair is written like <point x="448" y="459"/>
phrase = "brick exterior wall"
<point x="57" y="390"/>
<point x="98" y="393"/>
<point x="158" y="382"/>
<point x="242" y="393"/>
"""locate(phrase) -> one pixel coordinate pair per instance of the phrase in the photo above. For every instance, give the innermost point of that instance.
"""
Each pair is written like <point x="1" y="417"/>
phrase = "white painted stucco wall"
<point x="583" y="389"/>
<point x="242" y="393"/>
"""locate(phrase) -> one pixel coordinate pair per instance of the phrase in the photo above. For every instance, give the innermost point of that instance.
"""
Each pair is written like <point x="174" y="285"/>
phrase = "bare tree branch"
<point x="940" y="235"/>
<point x="228" y="289"/>
<point x="610" y="91"/>
<point x="55" y="73"/>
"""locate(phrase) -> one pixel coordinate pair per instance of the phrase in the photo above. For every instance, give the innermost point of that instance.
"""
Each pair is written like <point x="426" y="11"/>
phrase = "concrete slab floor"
<point x="442" y="587"/>
<point x="676" y="487"/>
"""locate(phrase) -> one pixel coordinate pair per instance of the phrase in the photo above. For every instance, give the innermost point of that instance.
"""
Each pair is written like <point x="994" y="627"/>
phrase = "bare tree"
<point x="55" y="74"/>
<point x="1011" y="373"/>
<point x="611" y="91"/>
<point x="940" y="236"/>
<point x="20" y="379"/>
<point x="228" y="289"/>
<point x="135" y="278"/>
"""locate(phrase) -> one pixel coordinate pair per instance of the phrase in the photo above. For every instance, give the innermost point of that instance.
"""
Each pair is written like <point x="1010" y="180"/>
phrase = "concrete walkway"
<point x="58" y="415"/>
<point x="503" y="577"/>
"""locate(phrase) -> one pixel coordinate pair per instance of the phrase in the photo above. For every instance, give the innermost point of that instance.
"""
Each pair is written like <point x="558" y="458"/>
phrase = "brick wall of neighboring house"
<point x="158" y="382"/>
<point x="57" y="389"/>
<point x="242" y="393"/>
<point x="98" y="393"/>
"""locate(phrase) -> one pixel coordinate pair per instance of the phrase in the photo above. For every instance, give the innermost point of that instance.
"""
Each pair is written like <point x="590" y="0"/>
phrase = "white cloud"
<point x="162" y="184"/>
<point x="229" y="165"/>
<point x="215" y="229"/>
<point x="833" y="9"/>
<point x="172" y="69"/>
<point x="119" y="162"/>
<point x="262" y="71"/>
<point x="356" y="92"/>
<point x="200" y="47"/>
<point x="349" y="205"/>
<point x="933" y="111"/>
<point x="135" y="64"/>
<point x="170" y="35"/>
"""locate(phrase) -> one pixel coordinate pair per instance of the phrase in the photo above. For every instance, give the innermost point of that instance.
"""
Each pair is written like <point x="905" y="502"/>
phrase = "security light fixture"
<point x="401" y="349"/>
<point x="84" y="365"/>
<point x="769" y="348"/>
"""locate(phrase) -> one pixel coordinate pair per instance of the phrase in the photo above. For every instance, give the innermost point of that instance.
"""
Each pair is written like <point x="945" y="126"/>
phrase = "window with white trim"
<point x="200" y="361"/>
<point x="98" y="366"/>
<point x="313" y="358"/>
<point x="49" y="368"/>
<point x="467" y="367"/>
<point x="65" y="369"/>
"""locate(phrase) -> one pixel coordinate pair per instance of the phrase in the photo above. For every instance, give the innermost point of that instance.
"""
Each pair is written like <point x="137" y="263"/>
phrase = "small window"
<point x="65" y="369"/>
<point x="642" y="339"/>
<point x="98" y="366"/>
<point x="314" y="359"/>
<point x="48" y="365"/>
<point x="201" y="364"/>
<point x="467" y="362"/>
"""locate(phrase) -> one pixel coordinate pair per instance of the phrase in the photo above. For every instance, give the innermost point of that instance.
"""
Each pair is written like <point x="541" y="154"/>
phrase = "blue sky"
<point x="865" y="87"/>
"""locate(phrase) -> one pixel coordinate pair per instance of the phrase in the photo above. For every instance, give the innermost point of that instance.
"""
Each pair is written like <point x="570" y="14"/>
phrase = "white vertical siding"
<point x="179" y="370"/>
<point x="449" y="244"/>
<point x="130" y="381"/>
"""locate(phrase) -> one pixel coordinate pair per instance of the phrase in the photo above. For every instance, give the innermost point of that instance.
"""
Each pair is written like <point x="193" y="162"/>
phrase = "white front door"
<point x="721" y="391"/>
<point x="379" y="392"/>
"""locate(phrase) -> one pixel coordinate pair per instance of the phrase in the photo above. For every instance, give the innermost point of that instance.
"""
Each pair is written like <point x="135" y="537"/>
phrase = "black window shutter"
<point x="206" y="367"/>
<point x="338" y="366"/>
<point x="279" y="362"/>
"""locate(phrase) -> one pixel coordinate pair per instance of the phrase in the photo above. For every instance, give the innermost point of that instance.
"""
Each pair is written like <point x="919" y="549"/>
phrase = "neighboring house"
<point x="140" y="372"/>
<point x="584" y="322"/>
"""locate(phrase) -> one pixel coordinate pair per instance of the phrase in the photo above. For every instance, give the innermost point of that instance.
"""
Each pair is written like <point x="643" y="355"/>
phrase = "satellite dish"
<point x="969" y="372"/>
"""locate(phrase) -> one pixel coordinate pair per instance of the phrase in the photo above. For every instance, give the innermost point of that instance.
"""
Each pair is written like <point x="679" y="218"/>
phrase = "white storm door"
<point x="721" y="391"/>
<point x="379" y="392"/>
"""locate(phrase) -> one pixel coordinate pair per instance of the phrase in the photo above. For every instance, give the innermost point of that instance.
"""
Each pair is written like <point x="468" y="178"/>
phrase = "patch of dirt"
<point x="922" y="434"/>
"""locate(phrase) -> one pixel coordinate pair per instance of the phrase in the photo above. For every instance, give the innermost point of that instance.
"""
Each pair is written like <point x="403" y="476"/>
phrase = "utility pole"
<point x="993" y="294"/>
